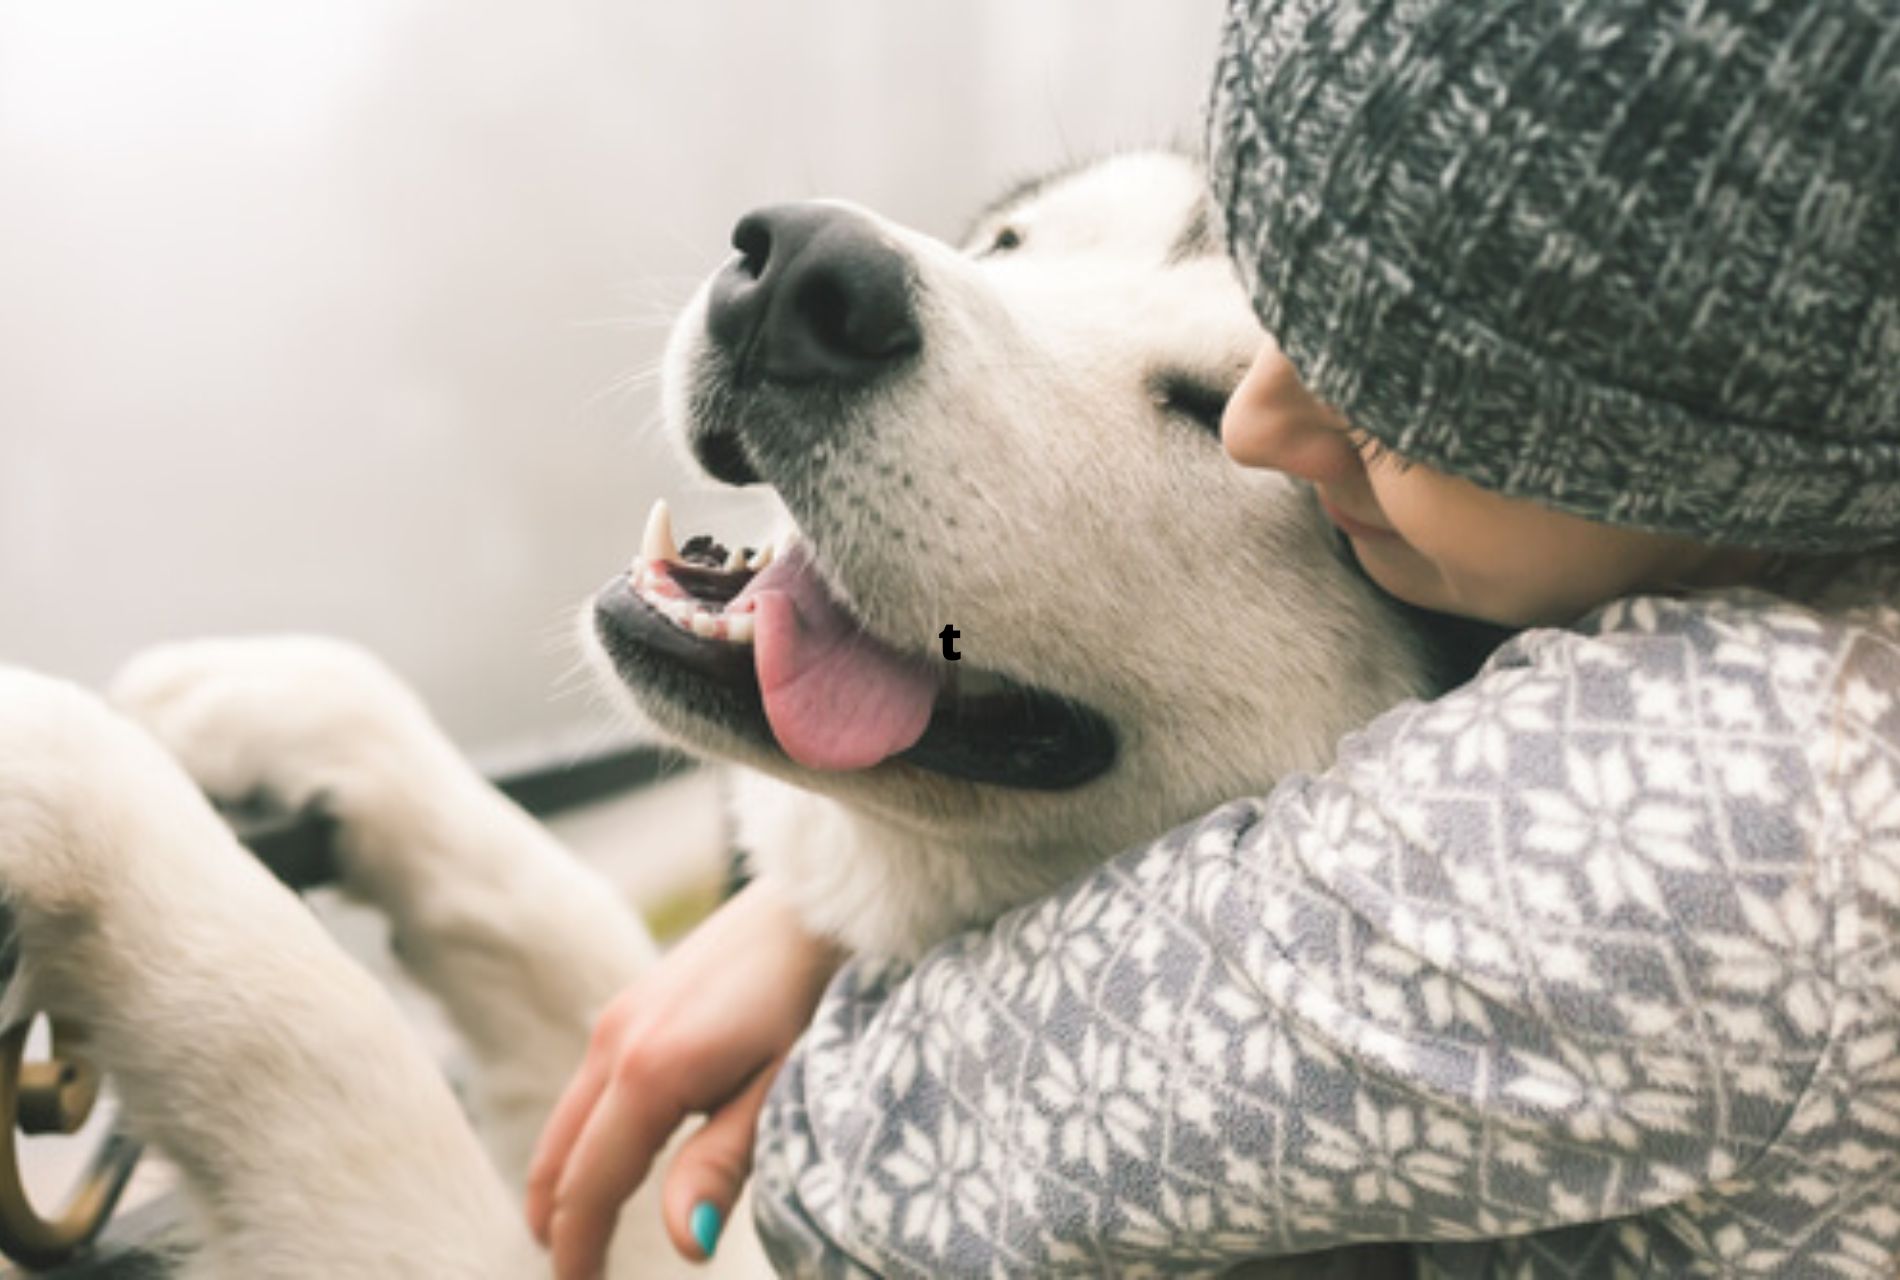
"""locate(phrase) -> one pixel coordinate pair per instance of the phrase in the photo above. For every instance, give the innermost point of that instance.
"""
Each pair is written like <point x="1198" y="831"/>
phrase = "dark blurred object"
<point x="297" y="846"/>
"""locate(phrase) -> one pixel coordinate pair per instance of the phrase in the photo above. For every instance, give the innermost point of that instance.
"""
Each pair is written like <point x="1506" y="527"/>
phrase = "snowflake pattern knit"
<point x="1586" y="968"/>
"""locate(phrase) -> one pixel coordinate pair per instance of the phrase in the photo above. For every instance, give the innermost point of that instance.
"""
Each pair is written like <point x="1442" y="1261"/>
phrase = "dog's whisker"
<point x="657" y="319"/>
<point x="626" y="384"/>
<point x="653" y="424"/>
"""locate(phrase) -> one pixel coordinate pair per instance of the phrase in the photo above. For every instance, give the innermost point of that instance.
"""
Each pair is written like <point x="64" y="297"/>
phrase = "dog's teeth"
<point x="739" y="628"/>
<point x="704" y="624"/>
<point x="735" y="559"/>
<point x="658" y="543"/>
<point x="760" y="559"/>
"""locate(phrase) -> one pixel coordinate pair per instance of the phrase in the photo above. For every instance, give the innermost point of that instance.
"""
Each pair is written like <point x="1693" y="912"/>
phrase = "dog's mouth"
<point x="758" y="642"/>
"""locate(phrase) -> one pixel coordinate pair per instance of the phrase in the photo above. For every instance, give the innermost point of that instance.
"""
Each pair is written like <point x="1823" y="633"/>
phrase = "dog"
<point x="1024" y="614"/>
<point x="1017" y="439"/>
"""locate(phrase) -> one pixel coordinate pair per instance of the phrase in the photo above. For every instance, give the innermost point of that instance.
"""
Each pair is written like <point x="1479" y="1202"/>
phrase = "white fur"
<point x="1081" y="539"/>
<point x="1078" y="537"/>
<point x="315" y="1137"/>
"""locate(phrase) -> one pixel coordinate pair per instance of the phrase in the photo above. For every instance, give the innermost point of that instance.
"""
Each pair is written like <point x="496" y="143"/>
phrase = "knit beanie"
<point x="1636" y="260"/>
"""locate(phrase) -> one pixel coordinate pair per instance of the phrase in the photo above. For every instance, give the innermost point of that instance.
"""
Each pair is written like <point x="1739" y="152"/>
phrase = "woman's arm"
<point x="1536" y="954"/>
<point x="702" y="1033"/>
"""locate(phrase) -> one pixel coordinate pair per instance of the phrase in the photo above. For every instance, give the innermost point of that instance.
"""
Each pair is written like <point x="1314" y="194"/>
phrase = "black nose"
<point x="816" y="295"/>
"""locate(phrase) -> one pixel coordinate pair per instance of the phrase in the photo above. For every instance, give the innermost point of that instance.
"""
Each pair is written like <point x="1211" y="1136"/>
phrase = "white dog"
<point x="1020" y="440"/>
<point x="1017" y="440"/>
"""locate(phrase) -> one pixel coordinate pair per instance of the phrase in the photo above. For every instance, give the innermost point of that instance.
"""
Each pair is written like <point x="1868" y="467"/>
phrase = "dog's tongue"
<point x="836" y="698"/>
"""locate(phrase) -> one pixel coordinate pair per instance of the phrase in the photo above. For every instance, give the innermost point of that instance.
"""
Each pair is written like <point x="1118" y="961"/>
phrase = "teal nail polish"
<point x="705" y="1225"/>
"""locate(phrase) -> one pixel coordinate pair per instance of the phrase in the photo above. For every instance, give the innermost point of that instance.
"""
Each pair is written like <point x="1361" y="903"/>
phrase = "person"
<point x="1586" y="320"/>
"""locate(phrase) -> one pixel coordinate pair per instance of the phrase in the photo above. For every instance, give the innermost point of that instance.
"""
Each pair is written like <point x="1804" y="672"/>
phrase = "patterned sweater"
<point x="1586" y="968"/>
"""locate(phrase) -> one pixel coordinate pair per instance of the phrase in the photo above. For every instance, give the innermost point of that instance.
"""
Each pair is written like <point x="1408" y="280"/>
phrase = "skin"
<point x="703" y="1033"/>
<point x="708" y="1029"/>
<point x="1443" y="543"/>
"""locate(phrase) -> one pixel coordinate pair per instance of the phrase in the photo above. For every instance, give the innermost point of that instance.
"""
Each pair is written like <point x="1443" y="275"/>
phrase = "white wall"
<point x="338" y="315"/>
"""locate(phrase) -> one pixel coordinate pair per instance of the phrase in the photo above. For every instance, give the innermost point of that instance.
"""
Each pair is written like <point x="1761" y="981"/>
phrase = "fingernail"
<point x="705" y="1225"/>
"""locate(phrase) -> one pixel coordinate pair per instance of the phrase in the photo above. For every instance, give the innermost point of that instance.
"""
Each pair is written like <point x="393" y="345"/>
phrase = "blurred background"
<point x="341" y="315"/>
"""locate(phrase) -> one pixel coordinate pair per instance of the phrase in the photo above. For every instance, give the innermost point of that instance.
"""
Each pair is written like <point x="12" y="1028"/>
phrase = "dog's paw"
<point x="59" y="747"/>
<point x="46" y="726"/>
<point x="74" y="777"/>
<point x="294" y="721"/>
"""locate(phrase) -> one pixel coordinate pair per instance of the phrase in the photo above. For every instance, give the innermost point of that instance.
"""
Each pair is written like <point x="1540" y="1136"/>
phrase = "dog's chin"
<point x="704" y="690"/>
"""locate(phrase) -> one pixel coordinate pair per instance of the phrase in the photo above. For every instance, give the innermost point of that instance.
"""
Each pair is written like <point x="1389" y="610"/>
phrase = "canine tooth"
<point x="734" y="560"/>
<point x="704" y="624"/>
<point x="658" y="543"/>
<point x="739" y="628"/>
<point x="761" y="558"/>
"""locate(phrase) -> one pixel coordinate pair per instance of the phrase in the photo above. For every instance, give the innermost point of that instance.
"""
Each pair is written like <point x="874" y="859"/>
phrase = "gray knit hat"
<point x="1638" y="260"/>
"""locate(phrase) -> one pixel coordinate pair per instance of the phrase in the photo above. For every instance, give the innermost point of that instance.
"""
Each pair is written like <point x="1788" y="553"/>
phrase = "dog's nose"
<point x="816" y="295"/>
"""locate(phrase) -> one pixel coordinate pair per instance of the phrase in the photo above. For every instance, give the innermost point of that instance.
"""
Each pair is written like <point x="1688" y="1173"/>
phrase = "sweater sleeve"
<point x="1548" y="950"/>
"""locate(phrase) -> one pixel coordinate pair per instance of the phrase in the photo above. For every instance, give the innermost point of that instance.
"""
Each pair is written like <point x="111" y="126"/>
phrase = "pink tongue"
<point x="836" y="698"/>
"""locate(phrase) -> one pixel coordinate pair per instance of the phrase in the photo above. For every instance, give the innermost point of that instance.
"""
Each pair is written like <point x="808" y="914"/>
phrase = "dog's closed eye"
<point x="1006" y="240"/>
<point x="1190" y="396"/>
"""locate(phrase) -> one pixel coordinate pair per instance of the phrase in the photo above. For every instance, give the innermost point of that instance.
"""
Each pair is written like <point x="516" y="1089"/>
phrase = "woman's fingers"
<point x="557" y="1141"/>
<point x="698" y="1033"/>
<point x="564" y="1124"/>
<point x="609" y="1160"/>
<point x="710" y="1170"/>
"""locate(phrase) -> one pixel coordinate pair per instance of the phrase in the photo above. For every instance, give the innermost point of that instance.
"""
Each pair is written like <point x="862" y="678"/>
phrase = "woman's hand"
<point x="705" y="1031"/>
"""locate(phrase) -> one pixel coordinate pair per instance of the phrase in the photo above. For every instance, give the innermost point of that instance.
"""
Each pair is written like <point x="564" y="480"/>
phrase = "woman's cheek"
<point x="1471" y="557"/>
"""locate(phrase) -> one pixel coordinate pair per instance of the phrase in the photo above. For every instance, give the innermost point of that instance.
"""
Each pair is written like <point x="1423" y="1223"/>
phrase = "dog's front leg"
<point x="521" y="942"/>
<point x="314" y="1136"/>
